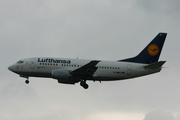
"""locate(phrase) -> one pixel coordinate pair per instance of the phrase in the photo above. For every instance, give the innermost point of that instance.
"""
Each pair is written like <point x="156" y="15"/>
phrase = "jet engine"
<point x="61" y="74"/>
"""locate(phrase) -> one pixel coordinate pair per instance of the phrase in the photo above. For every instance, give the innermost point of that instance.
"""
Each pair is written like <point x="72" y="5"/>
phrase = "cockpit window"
<point x="20" y="62"/>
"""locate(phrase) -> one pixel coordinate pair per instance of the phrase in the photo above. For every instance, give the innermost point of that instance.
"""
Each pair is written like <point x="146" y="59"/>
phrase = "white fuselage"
<point x="71" y="71"/>
<point x="107" y="70"/>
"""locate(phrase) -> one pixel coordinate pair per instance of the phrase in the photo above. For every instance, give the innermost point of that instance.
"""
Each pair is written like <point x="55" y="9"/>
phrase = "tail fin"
<point x="150" y="54"/>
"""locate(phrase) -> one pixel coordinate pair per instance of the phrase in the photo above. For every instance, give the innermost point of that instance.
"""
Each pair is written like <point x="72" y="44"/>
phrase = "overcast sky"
<point x="89" y="29"/>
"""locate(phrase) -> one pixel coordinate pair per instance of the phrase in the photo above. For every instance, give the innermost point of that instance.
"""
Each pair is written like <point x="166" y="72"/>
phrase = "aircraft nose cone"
<point x="11" y="68"/>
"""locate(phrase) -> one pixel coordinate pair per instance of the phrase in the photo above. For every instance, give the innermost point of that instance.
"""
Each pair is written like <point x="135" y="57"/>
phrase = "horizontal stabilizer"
<point x="155" y="65"/>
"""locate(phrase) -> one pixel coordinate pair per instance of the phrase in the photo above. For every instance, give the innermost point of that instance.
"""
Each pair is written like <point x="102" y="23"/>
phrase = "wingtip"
<point x="162" y="33"/>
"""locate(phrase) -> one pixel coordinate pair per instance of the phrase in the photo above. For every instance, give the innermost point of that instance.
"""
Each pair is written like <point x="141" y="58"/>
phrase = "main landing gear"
<point x="84" y="84"/>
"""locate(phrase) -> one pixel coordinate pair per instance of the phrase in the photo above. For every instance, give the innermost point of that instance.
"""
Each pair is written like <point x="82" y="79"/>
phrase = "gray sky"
<point x="91" y="29"/>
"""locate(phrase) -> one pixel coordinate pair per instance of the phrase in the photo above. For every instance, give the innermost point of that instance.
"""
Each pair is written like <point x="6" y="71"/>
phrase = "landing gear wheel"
<point x="27" y="81"/>
<point x="84" y="85"/>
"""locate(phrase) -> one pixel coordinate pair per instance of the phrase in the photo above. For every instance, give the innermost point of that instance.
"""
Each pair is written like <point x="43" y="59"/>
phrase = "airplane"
<point x="71" y="71"/>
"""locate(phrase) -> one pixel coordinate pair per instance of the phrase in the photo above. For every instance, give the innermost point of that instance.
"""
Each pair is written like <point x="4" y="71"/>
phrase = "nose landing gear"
<point x="27" y="77"/>
<point x="84" y="84"/>
<point x="27" y="81"/>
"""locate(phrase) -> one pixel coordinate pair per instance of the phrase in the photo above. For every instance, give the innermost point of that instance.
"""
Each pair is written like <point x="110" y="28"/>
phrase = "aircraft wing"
<point x="86" y="70"/>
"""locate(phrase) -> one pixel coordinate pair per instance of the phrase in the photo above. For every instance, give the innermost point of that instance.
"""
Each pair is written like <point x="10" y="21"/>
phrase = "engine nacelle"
<point x="61" y="74"/>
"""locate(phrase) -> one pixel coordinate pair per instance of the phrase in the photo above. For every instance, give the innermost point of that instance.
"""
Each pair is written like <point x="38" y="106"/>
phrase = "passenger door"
<point x="128" y="69"/>
<point x="32" y="63"/>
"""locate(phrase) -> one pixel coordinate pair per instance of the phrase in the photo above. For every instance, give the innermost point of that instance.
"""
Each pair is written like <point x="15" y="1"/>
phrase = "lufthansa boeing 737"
<point x="71" y="71"/>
